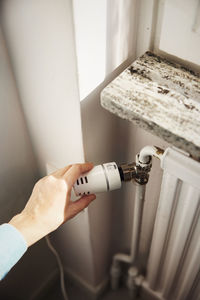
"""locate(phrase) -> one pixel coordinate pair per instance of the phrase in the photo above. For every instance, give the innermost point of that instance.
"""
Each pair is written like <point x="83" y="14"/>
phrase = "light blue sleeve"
<point x="12" y="247"/>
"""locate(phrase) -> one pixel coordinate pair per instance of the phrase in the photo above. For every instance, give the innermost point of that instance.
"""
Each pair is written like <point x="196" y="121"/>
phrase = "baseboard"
<point x="53" y="277"/>
<point x="94" y="291"/>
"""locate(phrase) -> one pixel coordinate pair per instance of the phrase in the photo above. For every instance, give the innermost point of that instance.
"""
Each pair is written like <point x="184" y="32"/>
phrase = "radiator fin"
<point x="173" y="269"/>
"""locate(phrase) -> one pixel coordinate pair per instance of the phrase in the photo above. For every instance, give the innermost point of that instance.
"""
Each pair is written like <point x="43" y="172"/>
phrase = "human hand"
<point x="50" y="203"/>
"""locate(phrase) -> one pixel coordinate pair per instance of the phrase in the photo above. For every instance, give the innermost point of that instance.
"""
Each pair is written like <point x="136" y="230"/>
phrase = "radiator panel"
<point x="188" y="275"/>
<point x="161" y="226"/>
<point x="174" y="258"/>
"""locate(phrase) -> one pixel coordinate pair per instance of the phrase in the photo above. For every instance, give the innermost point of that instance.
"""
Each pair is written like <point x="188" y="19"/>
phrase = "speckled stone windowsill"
<point x="161" y="97"/>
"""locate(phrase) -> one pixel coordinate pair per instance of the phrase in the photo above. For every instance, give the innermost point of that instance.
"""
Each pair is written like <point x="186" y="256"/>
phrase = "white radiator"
<point x="173" y="269"/>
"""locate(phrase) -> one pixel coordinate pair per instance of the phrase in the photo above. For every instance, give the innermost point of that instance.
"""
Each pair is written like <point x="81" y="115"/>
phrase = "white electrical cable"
<point x="62" y="279"/>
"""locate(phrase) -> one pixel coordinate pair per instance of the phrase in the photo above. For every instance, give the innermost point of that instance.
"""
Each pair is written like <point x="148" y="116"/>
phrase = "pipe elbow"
<point x="147" y="152"/>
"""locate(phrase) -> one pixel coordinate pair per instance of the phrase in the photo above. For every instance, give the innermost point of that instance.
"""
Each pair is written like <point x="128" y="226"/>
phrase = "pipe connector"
<point x="139" y="170"/>
<point x="127" y="171"/>
<point x="144" y="162"/>
<point x="136" y="171"/>
<point x="115" y="273"/>
<point x="143" y="170"/>
<point x="132" y="275"/>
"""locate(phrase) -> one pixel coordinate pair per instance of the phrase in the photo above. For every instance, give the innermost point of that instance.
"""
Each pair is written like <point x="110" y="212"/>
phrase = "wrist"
<point x="28" y="227"/>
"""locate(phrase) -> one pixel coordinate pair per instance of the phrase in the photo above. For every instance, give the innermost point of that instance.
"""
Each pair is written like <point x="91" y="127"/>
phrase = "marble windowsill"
<point x="161" y="97"/>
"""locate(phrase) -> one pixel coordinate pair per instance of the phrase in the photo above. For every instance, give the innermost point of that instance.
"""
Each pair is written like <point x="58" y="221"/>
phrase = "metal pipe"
<point x="144" y="161"/>
<point x="137" y="220"/>
<point x="131" y="282"/>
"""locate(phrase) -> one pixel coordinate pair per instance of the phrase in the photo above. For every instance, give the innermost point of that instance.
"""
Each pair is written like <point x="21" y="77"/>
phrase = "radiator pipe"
<point x="147" y="152"/>
<point x="137" y="218"/>
<point x="143" y="161"/>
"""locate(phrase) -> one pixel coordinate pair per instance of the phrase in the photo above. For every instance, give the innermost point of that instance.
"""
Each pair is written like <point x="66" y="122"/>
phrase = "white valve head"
<point x="101" y="178"/>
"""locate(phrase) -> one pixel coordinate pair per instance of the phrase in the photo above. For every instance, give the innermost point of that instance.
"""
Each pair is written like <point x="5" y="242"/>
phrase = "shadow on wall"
<point x="16" y="185"/>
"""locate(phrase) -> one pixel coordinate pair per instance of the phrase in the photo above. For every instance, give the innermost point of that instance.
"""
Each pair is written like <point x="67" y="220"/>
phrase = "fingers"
<point x="62" y="171"/>
<point x="79" y="205"/>
<point x="72" y="174"/>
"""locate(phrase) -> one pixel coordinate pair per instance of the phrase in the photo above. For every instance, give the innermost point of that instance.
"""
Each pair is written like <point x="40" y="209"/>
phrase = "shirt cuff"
<point x="12" y="248"/>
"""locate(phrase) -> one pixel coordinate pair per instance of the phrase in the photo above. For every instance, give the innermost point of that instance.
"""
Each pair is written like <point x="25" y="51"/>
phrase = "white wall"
<point x="40" y="40"/>
<point x="90" y="37"/>
<point x="18" y="174"/>
<point x="18" y="169"/>
<point x="43" y="57"/>
<point x="104" y="39"/>
<point x="185" y="46"/>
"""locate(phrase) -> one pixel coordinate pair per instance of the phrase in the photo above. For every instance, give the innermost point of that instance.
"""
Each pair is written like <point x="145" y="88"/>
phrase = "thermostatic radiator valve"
<point x="108" y="177"/>
<point x="101" y="178"/>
